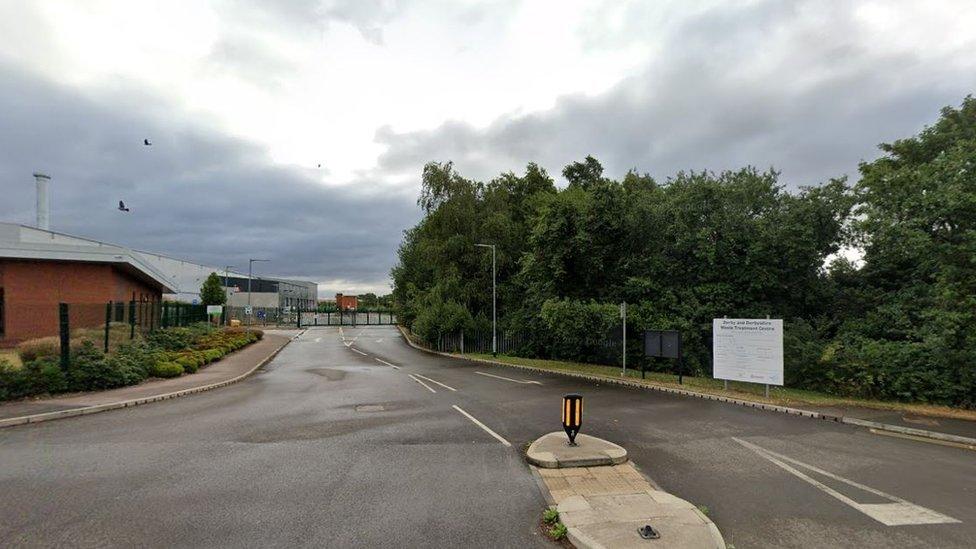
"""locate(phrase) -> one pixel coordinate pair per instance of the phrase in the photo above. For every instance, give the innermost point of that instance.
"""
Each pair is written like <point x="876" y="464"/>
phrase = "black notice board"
<point x="662" y="343"/>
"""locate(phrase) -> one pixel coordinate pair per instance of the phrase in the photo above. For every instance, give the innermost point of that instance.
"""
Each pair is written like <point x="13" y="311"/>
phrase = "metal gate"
<point x="349" y="318"/>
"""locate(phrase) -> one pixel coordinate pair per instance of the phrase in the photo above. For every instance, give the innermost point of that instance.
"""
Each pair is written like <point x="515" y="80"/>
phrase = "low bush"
<point x="163" y="353"/>
<point x="167" y="369"/>
<point x="89" y="370"/>
<point x="39" y="348"/>
<point x="44" y="376"/>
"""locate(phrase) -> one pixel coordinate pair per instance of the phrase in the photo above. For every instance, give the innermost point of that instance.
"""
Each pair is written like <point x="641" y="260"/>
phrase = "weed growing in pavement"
<point x="550" y="516"/>
<point x="703" y="509"/>
<point x="557" y="532"/>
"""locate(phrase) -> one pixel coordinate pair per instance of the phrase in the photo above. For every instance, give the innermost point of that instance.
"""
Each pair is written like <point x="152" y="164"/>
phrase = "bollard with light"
<point x="572" y="416"/>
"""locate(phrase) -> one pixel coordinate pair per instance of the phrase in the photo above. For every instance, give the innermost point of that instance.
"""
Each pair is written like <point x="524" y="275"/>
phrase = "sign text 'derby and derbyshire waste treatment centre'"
<point x="747" y="349"/>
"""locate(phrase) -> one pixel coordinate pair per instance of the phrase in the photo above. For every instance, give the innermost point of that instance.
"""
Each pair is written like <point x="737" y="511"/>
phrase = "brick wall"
<point x="33" y="289"/>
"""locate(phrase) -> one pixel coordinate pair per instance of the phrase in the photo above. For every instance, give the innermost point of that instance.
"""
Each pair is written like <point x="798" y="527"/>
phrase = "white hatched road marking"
<point x="448" y="387"/>
<point x="429" y="388"/>
<point x="358" y="351"/>
<point x="387" y="363"/>
<point x="897" y="513"/>
<point x="523" y="381"/>
<point x="318" y="340"/>
<point x="483" y="426"/>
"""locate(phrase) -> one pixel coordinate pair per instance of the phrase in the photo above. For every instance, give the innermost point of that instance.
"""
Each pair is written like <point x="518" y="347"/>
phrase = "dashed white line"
<point x="483" y="426"/>
<point x="448" y="387"/>
<point x="428" y="387"/>
<point x="897" y="513"/>
<point x="358" y="351"/>
<point x="394" y="366"/>
<point x="523" y="381"/>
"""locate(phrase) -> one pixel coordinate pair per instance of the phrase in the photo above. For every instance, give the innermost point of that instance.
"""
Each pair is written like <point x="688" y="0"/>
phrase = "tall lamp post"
<point x="226" y="297"/>
<point x="494" y="317"/>
<point x="250" y="269"/>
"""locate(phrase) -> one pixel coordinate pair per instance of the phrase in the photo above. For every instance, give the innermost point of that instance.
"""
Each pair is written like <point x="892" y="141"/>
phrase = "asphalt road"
<point x="333" y="446"/>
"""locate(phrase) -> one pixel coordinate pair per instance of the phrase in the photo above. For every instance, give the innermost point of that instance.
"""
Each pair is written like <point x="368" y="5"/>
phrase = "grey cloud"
<point x="707" y="102"/>
<point x="194" y="194"/>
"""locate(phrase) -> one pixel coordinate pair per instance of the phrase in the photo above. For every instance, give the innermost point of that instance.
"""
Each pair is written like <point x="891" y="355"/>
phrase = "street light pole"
<point x="494" y="299"/>
<point x="250" y="268"/>
<point x="226" y="298"/>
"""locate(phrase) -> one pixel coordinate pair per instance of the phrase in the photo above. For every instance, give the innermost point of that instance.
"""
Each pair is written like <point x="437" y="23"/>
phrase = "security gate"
<point x="349" y="318"/>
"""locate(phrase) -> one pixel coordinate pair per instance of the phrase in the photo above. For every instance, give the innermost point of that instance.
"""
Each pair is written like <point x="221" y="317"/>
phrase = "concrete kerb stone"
<point x="551" y="451"/>
<point x="87" y="410"/>
<point x="968" y="442"/>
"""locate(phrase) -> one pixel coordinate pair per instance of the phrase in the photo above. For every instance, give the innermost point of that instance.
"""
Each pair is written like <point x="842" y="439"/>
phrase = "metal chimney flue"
<point x="43" y="210"/>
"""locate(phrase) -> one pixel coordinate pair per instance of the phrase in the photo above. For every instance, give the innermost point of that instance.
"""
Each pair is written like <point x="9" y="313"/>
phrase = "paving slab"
<point x="603" y="506"/>
<point x="553" y="451"/>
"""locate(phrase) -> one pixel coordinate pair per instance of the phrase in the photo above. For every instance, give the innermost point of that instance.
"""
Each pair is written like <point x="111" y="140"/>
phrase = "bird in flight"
<point x="122" y="207"/>
<point x="146" y="142"/>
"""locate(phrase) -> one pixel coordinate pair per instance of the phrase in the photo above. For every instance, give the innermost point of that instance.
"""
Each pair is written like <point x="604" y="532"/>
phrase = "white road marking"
<point x="387" y="363"/>
<point x="318" y="340"/>
<point x="483" y="426"/>
<point x="524" y="381"/>
<point x="429" y="388"/>
<point x="358" y="351"/>
<point x="448" y="387"/>
<point x="897" y="513"/>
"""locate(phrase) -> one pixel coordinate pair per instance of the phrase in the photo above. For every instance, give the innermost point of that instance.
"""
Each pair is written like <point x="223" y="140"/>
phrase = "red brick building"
<point x="347" y="302"/>
<point x="40" y="269"/>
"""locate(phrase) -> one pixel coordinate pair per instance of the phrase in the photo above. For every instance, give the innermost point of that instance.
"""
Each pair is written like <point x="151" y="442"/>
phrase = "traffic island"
<point x="604" y="501"/>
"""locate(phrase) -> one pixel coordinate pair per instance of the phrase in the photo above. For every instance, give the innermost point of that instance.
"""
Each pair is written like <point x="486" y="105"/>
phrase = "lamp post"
<point x="494" y="317"/>
<point x="250" y="268"/>
<point x="226" y="296"/>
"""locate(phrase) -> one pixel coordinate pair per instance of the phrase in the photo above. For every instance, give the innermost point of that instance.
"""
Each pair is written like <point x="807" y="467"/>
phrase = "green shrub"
<point x="188" y="363"/>
<point x="167" y="369"/>
<point x="172" y="339"/>
<point x="213" y="354"/>
<point x="88" y="370"/>
<point x="45" y="376"/>
<point x="12" y="381"/>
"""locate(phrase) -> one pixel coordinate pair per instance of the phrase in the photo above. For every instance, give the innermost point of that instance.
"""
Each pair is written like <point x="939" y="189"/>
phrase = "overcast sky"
<point x="243" y="100"/>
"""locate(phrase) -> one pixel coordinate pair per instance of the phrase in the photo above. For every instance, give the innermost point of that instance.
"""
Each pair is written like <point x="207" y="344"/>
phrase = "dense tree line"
<point x="900" y="322"/>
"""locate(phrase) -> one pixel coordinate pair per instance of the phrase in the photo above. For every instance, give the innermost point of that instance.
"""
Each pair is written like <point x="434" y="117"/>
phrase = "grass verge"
<point x="781" y="396"/>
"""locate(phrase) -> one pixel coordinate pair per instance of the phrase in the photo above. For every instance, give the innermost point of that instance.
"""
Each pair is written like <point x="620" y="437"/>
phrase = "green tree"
<point x="212" y="293"/>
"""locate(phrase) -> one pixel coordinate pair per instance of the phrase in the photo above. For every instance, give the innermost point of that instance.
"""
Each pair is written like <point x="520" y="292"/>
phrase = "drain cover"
<point x="647" y="532"/>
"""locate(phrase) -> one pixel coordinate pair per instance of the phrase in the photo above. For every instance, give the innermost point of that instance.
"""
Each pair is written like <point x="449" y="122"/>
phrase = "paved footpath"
<point x="226" y="369"/>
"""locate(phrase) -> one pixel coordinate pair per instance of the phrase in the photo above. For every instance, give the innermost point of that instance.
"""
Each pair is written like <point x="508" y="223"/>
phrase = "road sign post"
<point x="623" y="316"/>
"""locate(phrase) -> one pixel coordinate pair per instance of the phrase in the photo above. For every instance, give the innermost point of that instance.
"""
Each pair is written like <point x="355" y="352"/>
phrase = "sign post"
<point x="623" y="316"/>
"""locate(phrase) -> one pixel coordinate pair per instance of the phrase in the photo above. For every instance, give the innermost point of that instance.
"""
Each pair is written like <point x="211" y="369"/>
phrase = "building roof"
<point x="23" y="242"/>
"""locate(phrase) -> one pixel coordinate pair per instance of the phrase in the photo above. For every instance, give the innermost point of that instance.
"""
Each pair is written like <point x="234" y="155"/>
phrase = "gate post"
<point x="108" y="322"/>
<point x="132" y="319"/>
<point x="65" y="333"/>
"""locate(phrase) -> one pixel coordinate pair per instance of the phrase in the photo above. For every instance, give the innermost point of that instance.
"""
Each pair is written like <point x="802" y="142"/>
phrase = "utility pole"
<point x="494" y="299"/>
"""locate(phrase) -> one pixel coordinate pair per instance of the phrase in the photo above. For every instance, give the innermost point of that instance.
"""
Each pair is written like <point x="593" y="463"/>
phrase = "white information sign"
<point x="214" y="309"/>
<point x="746" y="349"/>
